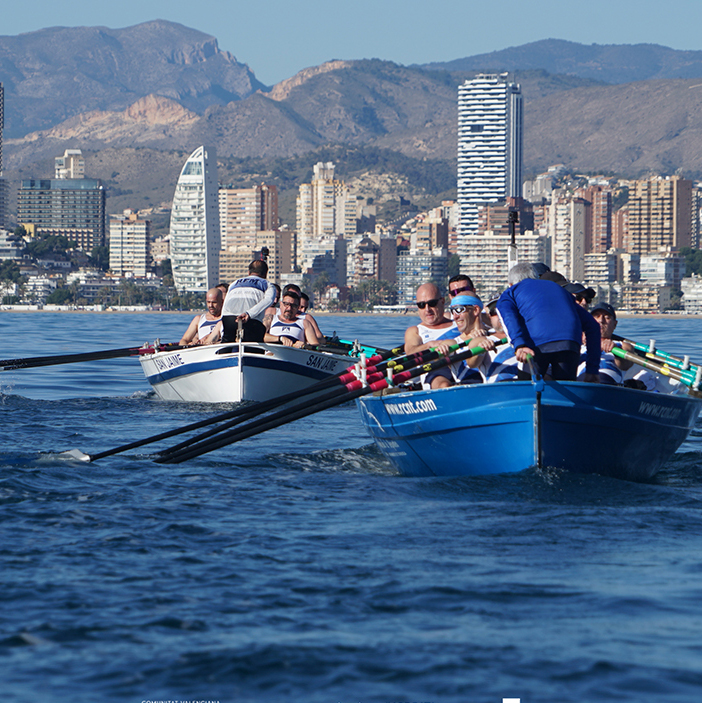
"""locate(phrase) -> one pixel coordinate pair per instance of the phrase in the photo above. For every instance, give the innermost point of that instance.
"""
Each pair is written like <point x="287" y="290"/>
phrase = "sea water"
<point x="299" y="566"/>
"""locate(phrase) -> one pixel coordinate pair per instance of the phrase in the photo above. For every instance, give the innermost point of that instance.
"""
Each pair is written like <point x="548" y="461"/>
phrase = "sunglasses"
<point x="431" y="303"/>
<point x="456" y="291"/>
<point x="458" y="309"/>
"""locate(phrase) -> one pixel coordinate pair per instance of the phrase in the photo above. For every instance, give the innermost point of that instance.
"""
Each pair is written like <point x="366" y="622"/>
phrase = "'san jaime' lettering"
<point x="168" y="362"/>
<point x="655" y="410"/>
<point x="319" y="362"/>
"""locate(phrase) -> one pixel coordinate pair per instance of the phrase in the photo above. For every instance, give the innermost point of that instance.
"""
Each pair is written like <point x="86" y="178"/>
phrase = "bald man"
<point x="202" y="325"/>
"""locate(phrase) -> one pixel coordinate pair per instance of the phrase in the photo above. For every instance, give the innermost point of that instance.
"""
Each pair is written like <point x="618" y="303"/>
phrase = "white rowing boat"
<point x="229" y="373"/>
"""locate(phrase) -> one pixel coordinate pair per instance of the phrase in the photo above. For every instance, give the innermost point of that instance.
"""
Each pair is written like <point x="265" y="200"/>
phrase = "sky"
<point x="278" y="38"/>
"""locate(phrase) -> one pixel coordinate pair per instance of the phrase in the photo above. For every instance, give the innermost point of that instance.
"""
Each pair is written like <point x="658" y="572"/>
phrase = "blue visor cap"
<point x="466" y="300"/>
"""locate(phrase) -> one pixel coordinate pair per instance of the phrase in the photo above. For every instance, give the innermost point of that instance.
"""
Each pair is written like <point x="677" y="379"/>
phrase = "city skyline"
<point x="392" y="30"/>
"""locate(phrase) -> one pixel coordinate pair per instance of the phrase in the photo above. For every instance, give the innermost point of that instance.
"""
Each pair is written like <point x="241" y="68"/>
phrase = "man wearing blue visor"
<point x="466" y="313"/>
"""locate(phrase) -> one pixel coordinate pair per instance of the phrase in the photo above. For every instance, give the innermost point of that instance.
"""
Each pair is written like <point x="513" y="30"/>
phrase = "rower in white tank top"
<point x="205" y="326"/>
<point x="294" y="331"/>
<point x="429" y="334"/>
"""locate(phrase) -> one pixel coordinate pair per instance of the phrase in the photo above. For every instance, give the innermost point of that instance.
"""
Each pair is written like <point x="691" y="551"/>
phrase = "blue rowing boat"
<point x="510" y="426"/>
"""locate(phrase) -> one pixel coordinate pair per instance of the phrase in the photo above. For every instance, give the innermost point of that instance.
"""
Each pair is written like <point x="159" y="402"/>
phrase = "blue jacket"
<point x="535" y="313"/>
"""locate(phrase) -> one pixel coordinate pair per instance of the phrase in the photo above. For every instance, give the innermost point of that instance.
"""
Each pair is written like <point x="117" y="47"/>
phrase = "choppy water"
<point x="297" y="566"/>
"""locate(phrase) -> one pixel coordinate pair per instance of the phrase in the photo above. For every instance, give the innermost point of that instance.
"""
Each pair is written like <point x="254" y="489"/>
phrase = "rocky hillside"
<point x="58" y="73"/>
<point x="374" y="118"/>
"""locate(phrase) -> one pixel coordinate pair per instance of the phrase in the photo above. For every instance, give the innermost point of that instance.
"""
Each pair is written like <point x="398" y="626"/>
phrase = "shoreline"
<point x="316" y="313"/>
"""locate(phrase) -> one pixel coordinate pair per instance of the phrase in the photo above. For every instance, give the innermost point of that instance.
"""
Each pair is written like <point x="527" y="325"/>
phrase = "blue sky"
<point x="277" y="38"/>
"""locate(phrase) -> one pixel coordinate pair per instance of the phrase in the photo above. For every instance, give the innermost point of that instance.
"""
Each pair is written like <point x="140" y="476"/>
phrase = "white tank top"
<point x="429" y="334"/>
<point x="205" y="326"/>
<point x="292" y="330"/>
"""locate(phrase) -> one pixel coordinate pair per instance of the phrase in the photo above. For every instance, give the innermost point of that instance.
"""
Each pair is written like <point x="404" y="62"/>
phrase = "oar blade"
<point x="75" y="454"/>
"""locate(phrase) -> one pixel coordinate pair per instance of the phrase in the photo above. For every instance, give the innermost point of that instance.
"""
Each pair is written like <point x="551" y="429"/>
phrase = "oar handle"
<point x="686" y="377"/>
<point x="659" y="355"/>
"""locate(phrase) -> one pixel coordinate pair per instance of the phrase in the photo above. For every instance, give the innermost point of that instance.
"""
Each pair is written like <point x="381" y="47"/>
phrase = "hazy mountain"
<point x="371" y="102"/>
<point x="189" y="97"/>
<point x="609" y="63"/>
<point x="57" y="73"/>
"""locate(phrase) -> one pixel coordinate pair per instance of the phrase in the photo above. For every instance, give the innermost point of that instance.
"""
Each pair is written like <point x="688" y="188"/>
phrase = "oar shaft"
<point x="373" y="373"/>
<point x="38" y="361"/>
<point x="335" y="392"/>
<point x="660" y="355"/>
<point x="246" y="413"/>
<point x="688" y="378"/>
<point x="294" y="413"/>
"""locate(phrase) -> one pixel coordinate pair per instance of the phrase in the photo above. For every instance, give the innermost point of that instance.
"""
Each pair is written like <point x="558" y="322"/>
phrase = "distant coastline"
<point x="317" y="313"/>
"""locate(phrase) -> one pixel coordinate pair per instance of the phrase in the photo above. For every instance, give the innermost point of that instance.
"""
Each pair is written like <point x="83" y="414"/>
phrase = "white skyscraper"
<point x="489" y="148"/>
<point x="195" y="235"/>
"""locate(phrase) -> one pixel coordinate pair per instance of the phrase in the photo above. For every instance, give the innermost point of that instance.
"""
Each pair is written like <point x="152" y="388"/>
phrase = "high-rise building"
<point x="69" y="207"/>
<point x="245" y="211"/>
<point x="598" y="225"/>
<point x="129" y="244"/>
<point x="417" y="267"/>
<point x="567" y="219"/>
<point x="489" y="148"/>
<point x="194" y="232"/>
<point x="325" y="210"/>
<point x="486" y="262"/>
<point x="660" y="214"/>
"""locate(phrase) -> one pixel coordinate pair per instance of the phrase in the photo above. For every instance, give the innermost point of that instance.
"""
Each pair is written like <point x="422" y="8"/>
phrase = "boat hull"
<point x="228" y="373"/>
<point x="503" y="427"/>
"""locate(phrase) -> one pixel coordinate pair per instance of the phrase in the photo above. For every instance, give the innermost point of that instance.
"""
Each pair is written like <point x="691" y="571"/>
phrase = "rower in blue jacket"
<point x="542" y="320"/>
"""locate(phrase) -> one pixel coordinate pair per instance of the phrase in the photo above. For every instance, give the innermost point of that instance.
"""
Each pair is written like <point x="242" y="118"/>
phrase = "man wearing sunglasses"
<point x="434" y="323"/>
<point x="466" y="311"/>
<point x="460" y="284"/>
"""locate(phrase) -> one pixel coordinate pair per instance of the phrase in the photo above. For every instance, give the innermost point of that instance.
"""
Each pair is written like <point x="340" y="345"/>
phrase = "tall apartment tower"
<point x="567" y="225"/>
<point x="660" y="214"/>
<point x="69" y="207"/>
<point x="129" y="244"/>
<point x="489" y="148"/>
<point x="245" y="211"/>
<point x="194" y="232"/>
<point x="326" y="210"/>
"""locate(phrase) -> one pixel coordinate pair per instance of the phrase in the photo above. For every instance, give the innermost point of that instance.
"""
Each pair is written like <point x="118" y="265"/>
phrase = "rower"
<point x="247" y="301"/>
<point x="304" y="306"/>
<point x="466" y="311"/>
<point x="288" y="328"/>
<point x="201" y="326"/>
<point x="543" y="321"/>
<point x="611" y="366"/>
<point x="434" y="326"/>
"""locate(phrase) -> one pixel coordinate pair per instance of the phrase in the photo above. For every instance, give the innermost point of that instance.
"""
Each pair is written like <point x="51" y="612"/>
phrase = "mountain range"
<point x="162" y="89"/>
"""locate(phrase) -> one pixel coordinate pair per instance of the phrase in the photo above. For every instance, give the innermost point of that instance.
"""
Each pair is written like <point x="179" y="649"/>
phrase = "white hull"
<point x="229" y="373"/>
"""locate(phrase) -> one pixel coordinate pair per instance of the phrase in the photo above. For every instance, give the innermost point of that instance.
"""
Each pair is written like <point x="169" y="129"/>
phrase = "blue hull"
<point x="500" y="427"/>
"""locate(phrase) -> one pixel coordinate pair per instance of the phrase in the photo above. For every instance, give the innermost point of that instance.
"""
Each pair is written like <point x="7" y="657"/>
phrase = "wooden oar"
<point x="354" y="390"/>
<point x="686" y="377"/>
<point x="242" y="413"/>
<point x="38" y="361"/>
<point x="373" y="373"/>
